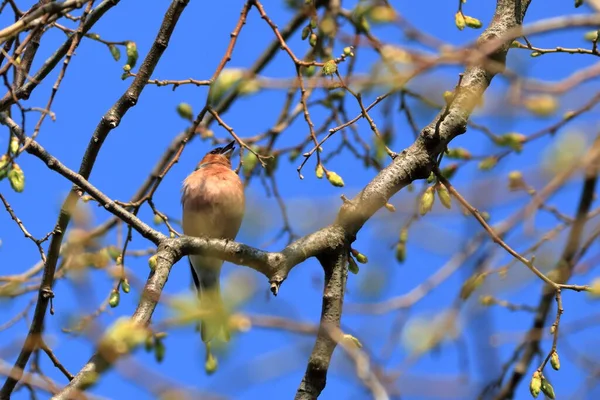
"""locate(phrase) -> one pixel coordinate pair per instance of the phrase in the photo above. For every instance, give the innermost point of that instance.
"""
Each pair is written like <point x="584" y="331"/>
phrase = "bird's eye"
<point x="216" y="151"/>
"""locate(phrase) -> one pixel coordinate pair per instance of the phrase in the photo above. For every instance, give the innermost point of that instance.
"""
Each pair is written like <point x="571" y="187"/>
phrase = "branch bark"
<point x="335" y="265"/>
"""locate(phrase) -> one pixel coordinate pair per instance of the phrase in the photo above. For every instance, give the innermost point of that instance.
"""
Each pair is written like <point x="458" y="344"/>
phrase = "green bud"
<point x="427" y="200"/>
<point x="294" y="155"/>
<point x="448" y="96"/>
<point x="330" y="67"/>
<point x="319" y="171"/>
<point x="459" y="153"/>
<point x="543" y="105"/>
<point x="535" y="385"/>
<point x="381" y="14"/>
<point x="488" y="163"/>
<point x="534" y="54"/>
<point x="348" y="51"/>
<point x="363" y="25"/>
<point x="591" y="36"/>
<point x="313" y="22"/>
<point x="472" y="22"/>
<point x="14" y="145"/>
<point x="3" y="166"/>
<point x="226" y="80"/>
<point x="114" y="299"/>
<point x="548" y="389"/>
<point x="93" y="36"/>
<point x="401" y="252"/>
<point x="431" y="178"/>
<point x="157" y="220"/>
<point x="361" y="258"/>
<point x="115" y="52"/>
<point x="390" y="207"/>
<point x="594" y="291"/>
<point x="100" y="259"/>
<point x="305" y="32"/>
<point x="159" y="350"/>
<point x="459" y="21"/>
<point x="554" y="361"/>
<point x="328" y="26"/>
<point x="486" y="300"/>
<point x="335" y="179"/>
<point x="113" y="252"/>
<point x="470" y="285"/>
<point x="352" y="266"/>
<point x="513" y="140"/>
<point x="444" y="196"/>
<point x="16" y="177"/>
<point x="312" y="40"/>
<point x="211" y="364"/>
<point x="249" y="162"/>
<point x="125" y="286"/>
<point x="132" y="53"/>
<point x="309" y="71"/>
<point x="152" y="262"/>
<point x="185" y="111"/>
<point x="352" y="341"/>
<point x="515" y="181"/>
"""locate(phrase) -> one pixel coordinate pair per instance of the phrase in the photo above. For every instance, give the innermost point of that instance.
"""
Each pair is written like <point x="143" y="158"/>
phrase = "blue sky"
<point x="265" y="363"/>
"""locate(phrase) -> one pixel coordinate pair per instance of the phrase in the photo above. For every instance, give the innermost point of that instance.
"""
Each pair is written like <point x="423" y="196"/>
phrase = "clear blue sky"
<point x="270" y="364"/>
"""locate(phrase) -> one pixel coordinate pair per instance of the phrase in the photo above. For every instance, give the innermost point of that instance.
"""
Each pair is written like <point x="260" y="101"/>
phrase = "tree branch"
<point x="335" y="265"/>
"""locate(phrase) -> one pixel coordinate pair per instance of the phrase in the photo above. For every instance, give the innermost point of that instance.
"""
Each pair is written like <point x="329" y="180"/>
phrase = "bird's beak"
<point x="228" y="150"/>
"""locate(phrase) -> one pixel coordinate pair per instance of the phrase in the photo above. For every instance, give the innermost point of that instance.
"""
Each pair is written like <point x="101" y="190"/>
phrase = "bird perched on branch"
<point x="213" y="206"/>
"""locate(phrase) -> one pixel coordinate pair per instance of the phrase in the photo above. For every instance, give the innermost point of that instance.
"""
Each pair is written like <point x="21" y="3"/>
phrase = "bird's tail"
<point x="206" y="273"/>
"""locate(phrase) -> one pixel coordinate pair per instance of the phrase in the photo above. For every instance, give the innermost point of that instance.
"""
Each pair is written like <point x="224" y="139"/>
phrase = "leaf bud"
<point x="335" y="179"/>
<point x="535" y="385"/>
<point x="330" y="67"/>
<point x="444" y="196"/>
<point x="554" y="361"/>
<point x="114" y="298"/>
<point x="185" y="111"/>
<point x="427" y="200"/>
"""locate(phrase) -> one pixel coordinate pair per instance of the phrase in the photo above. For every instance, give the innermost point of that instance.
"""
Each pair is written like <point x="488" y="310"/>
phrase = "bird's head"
<point x="220" y="155"/>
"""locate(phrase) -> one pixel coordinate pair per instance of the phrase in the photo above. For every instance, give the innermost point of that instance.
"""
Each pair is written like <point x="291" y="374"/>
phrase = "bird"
<point x="213" y="204"/>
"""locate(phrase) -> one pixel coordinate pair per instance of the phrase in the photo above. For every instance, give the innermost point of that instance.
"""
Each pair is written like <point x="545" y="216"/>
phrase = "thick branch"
<point x="335" y="264"/>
